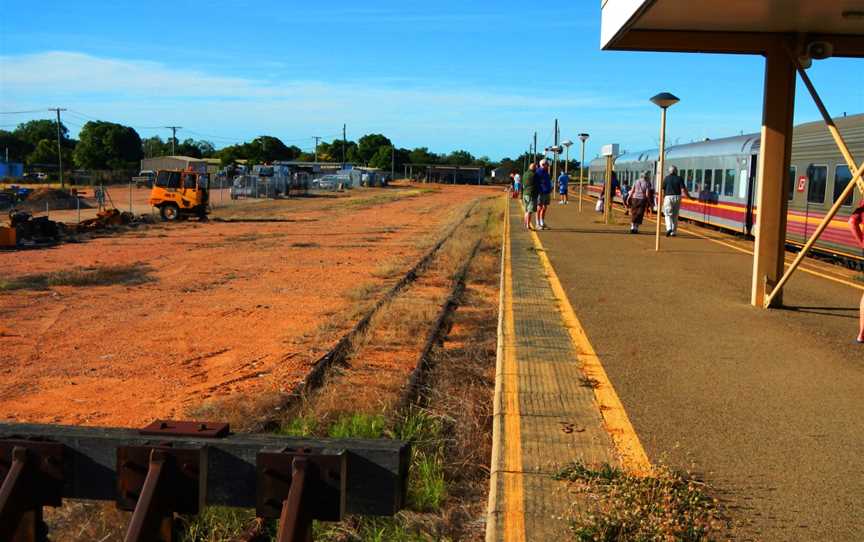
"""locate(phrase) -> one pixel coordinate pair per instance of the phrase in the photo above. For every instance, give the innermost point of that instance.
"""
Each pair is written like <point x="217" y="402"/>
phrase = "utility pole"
<point x="535" y="146"/>
<point x="59" y="148"/>
<point x="174" y="137"/>
<point x="555" y="154"/>
<point x="317" y="139"/>
<point x="344" y="143"/>
<point x="392" y="163"/>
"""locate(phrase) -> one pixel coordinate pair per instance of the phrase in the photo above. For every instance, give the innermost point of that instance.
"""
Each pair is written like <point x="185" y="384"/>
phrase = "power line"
<point x="23" y="112"/>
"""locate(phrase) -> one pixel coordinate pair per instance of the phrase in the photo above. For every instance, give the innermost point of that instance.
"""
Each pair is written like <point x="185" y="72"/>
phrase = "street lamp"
<point x="583" y="138"/>
<point x="664" y="101"/>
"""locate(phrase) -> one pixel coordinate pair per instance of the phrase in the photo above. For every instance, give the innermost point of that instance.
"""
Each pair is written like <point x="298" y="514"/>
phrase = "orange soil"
<point x="233" y="309"/>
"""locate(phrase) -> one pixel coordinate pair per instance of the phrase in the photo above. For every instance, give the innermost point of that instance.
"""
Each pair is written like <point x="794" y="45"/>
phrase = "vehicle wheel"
<point x="169" y="212"/>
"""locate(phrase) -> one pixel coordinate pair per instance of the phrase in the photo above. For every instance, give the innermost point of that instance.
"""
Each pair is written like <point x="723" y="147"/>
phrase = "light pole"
<point x="583" y="138"/>
<point x="664" y="101"/>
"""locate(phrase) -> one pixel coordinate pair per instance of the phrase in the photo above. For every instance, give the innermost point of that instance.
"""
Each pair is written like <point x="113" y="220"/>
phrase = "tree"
<point x="382" y="158"/>
<point x="154" y="146"/>
<point x="35" y="131"/>
<point x="369" y="145"/>
<point x="45" y="153"/>
<point x="17" y="147"/>
<point x="460" y="158"/>
<point x="421" y="155"/>
<point x="106" y="145"/>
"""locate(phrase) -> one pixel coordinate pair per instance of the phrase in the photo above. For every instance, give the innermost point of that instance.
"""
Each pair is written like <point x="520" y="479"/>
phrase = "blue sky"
<point x="480" y="76"/>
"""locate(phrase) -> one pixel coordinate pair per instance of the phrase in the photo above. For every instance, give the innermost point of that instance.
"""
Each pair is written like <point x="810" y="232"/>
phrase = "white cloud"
<point x="145" y="93"/>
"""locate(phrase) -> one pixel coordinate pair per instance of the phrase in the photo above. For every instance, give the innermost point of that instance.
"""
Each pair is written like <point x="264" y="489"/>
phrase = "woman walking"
<point x="639" y="198"/>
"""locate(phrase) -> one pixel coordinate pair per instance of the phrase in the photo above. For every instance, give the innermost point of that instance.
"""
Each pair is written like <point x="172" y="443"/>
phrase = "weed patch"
<point x="623" y="507"/>
<point x="81" y="276"/>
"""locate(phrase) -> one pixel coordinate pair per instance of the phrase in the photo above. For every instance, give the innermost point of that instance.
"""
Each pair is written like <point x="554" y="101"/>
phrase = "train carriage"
<point x="721" y="175"/>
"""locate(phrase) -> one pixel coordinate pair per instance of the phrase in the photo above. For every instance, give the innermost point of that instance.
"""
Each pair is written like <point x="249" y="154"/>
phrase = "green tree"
<point x="382" y="158"/>
<point x="154" y="146"/>
<point x="17" y="147"/>
<point x="369" y="145"/>
<point x="45" y="153"/>
<point x="35" y="131"/>
<point x="460" y="158"/>
<point x="106" y="145"/>
<point x="421" y="155"/>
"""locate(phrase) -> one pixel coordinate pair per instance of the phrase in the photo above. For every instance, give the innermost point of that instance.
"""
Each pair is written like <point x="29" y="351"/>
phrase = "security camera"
<point x="820" y="50"/>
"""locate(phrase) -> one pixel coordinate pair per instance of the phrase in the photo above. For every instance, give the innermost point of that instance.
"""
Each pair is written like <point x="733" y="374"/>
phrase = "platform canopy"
<point x="729" y="26"/>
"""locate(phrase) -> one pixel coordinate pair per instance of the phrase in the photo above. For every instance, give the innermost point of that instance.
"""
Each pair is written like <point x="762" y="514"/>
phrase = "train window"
<point x="842" y="176"/>
<point x="790" y="185"/>
<point x="698" y="180"/>
<point x="718" y="181"/>
<point x="708" y="177"/>
<point x="729" y="183"/>
<point x="817" y="177"/>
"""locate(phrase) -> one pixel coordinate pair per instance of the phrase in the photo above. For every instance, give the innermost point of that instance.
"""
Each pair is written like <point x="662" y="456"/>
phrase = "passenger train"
<point x="721" y="175"/>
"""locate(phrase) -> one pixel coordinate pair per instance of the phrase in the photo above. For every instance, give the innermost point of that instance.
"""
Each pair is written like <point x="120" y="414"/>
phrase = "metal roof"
<point x="727" y="146"/>
<point x="740" y="26"/>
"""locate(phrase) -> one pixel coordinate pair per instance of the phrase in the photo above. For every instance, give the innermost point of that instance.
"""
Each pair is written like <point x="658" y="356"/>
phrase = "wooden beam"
<point x="685" y="41"/>
<point x="377" y="469"/>
<point x="744" y="43"/>
<point x="775" y="154"/>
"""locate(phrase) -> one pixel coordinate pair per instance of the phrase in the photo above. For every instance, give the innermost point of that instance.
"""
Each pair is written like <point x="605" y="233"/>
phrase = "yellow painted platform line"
<point x="632" y="454"/>
<point x="507" y="421"/>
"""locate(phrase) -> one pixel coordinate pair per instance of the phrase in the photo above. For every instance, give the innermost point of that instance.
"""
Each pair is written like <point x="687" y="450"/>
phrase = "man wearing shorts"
<point x="563" y="183"/>
<point x="543" y="181"/>
<point x="529" y="194"/>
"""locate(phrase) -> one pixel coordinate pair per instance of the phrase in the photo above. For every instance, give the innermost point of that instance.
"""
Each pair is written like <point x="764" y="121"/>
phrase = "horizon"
<point x="263" y="74"/>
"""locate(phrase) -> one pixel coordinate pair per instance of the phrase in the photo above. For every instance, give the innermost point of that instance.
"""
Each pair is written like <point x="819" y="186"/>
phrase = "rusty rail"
<point x="178" y="468"/>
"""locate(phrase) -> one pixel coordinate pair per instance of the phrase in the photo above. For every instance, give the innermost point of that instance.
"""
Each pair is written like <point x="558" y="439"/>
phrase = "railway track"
<point x="342" y="348"/>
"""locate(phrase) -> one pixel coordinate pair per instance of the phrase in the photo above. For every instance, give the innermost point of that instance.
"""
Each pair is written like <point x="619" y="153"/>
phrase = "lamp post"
<point x="664" y="101"/>
<point x="583" y="138"/>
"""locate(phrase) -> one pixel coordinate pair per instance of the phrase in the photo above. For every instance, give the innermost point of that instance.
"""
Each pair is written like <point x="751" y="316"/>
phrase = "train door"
<point x="747" y="188"/>
<point x="817" y="178"/>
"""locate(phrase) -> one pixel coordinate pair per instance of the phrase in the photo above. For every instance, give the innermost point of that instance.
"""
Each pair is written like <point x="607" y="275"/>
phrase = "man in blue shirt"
<point x="544" y="192"/>
<point x="563" y="182"/>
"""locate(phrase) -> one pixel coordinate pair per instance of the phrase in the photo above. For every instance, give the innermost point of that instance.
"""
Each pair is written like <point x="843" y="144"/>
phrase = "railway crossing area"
<point x="765" y="406"/>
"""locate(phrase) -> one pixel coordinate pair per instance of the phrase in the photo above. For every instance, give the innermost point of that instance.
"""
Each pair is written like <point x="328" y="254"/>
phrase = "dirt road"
<point x="219" y="309"/>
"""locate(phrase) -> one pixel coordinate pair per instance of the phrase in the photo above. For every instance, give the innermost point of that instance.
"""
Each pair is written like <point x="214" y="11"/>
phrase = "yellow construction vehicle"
<point x="179" y="194"/>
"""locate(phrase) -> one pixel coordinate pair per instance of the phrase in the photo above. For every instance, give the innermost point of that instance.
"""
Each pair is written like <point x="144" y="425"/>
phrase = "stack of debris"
<point x="25" y="230"/>
<point x="104" y="219"/>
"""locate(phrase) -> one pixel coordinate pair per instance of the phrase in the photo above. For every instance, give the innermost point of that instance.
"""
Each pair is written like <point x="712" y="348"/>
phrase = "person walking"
<point x="529" y="194"/>
<point x="640" y="196"/>
<point x="625" y="195"/>
<point x="673" y="185"/>
<point x="563" y="183"/>
<point x="543" y="181"/>
<point x="517" y="185"/>
<point x="855" y="222"/>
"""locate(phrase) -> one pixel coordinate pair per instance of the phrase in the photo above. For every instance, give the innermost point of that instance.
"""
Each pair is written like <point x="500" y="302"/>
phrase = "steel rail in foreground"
<point x="180" y="467"/>
<point x="856" y="181"/>
<point x="418" y="374"/>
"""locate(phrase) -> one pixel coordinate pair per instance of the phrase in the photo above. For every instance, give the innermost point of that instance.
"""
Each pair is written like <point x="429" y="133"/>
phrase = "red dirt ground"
<point x="233" y="307"/>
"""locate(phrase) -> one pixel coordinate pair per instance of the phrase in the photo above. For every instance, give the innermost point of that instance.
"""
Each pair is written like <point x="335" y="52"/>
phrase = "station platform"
<point x="765" y="406"/>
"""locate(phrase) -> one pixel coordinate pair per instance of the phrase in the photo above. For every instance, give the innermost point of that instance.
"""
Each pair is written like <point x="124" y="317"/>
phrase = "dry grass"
<point x="137" y="273"/>
<point x="622" y="507"/>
